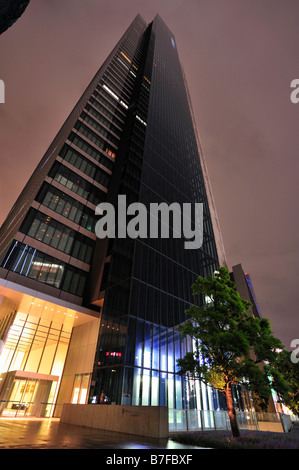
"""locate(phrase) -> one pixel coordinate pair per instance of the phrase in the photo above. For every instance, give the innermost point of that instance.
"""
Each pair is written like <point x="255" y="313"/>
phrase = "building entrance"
<point x="28" y="396"/>
<point x="21" y="399"/>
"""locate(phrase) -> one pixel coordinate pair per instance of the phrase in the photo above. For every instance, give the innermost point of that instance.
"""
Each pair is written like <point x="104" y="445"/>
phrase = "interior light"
<point x="111" y="92"/>
<point x="125" y="56"/>
<point x="141" y="120"/>
<point x="124" y="104"/>
<point x="123" y="63"/>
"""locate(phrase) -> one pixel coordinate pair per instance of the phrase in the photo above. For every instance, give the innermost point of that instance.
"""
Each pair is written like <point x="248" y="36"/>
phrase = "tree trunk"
<point x="231" y="411"/>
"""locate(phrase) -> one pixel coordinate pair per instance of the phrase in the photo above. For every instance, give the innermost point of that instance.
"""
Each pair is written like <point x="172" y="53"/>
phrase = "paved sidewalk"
<point x="49" y="433"/>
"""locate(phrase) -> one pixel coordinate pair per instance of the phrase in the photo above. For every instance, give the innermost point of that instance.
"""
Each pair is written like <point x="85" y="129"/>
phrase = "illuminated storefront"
<point x="36" y="338"/>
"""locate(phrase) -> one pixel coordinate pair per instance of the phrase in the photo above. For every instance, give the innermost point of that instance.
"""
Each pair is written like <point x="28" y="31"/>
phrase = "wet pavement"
<point x="49" y="433"/>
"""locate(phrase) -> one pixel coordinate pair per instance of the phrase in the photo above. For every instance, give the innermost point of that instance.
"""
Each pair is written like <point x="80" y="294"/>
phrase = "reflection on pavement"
<point x="49" y="433"/>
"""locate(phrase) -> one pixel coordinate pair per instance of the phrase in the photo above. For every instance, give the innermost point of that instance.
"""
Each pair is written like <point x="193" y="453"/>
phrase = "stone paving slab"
<point x="49" y="433"/>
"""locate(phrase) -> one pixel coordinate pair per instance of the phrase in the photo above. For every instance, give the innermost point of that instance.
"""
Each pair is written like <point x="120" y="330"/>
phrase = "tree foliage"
<point x="231" y="345"/>
<point x="290" y="371"/>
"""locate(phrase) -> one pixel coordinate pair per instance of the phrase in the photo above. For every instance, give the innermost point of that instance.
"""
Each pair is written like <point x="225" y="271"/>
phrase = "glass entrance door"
<point x="21" y="399"/>
<point x="30" y="397"/>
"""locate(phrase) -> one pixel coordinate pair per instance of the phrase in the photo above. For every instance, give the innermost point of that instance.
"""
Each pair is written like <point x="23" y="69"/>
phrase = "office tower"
<point x="111" y="307"/>
<point x="10" y="12"/>
<point x="245" y="288"/>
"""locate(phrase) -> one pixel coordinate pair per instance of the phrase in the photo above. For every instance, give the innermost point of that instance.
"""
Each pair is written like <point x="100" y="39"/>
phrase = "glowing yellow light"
<point x="126" y="57"/>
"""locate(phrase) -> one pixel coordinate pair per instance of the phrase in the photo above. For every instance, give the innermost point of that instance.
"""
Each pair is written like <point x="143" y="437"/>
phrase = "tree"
<point x="231" y="345"/>
<point x="290" y="372"/>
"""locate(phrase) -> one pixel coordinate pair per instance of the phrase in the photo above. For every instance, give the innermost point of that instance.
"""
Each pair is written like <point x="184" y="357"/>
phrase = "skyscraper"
<point x="245" y="288"/>
<point x="89" y="319"/>
<point x="10" y="12"/>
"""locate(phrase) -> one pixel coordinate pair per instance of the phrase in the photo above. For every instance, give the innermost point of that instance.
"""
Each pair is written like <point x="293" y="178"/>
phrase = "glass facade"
<point x="80" y="389"/>
<point x="59" y="224"/>
<point x="27" y="261"/>
<point x="131" y="133"/>
<point x="32" y="340"/>
<point x="147" y="282"/>
<point x="31" y="365"/>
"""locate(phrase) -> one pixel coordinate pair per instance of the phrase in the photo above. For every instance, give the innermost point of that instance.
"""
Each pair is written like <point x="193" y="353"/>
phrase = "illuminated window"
<point x="123" y="63"/>
<point x="126" y="57"/>
<point x="124" y="104"/>
<point x="111" y="92"/>
<point x="141" y="120"/>
<point x="35" y="344"/>
<point x="80" y="389"/>
<point x="29" y="262"/>
<point x="112" y="154"/>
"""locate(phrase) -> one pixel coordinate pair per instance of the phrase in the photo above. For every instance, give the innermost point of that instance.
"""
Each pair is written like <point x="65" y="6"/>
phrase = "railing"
<point x="286" y="422"/>
<point x="203" y="420"/>
<point x="272" y="417"/>
<point x="247" y="420"/>
<point x="197" y="420"/>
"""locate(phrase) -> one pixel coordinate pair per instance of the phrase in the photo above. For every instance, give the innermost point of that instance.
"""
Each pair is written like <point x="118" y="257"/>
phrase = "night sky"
<point x="239" y="57"/>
